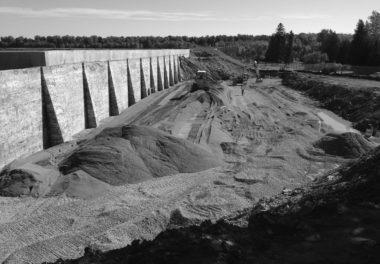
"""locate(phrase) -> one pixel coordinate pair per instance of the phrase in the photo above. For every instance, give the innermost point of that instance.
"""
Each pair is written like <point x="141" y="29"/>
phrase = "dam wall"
<point x="20" y="59"/>
<point x="41" y="107"/>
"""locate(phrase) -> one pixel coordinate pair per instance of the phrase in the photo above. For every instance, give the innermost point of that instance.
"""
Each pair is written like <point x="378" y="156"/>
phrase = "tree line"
<point x="361" y="48"/>
<point x="97" y="42"/>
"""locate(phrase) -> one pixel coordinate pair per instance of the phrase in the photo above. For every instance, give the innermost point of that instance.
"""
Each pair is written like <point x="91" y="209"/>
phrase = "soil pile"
<point x="131" y="154"/>
<point x="358" y="105"/>
<point x="335" y="220"/>
<point x="116" y="156"/>
<point x="218" y="65"/>
<point x="346" y="145"/>
<point x="258" y="135"/>
<point x="78" y="184"/>
<point x="29" y="179"/>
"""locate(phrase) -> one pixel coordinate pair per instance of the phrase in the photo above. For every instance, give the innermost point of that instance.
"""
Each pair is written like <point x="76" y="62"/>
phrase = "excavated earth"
<point x="333" y="220"/>
<point x="353" y="99"/>
<point x="176" y="159"/>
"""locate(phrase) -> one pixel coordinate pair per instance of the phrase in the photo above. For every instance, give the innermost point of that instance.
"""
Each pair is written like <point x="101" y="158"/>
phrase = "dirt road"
<point x="265" y="137"/>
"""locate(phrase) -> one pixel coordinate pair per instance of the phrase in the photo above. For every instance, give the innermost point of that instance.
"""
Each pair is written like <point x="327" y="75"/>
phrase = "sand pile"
<point x="132" y="154"/>
<point x="28" y="179"/>
<point x="346" y="145"/>
<point x="78" y="184"/>
<point x="218" y="65"/>
<point x="214" y="95"/>
<point x="116" y="156"/>
<point x="335" y="220"/>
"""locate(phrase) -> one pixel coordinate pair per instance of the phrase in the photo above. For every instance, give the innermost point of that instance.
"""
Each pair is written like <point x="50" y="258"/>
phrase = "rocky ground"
<point x="185" y="156"/>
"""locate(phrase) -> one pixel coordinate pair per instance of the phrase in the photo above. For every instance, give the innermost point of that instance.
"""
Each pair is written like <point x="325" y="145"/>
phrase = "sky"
<point x="178" y="17"/>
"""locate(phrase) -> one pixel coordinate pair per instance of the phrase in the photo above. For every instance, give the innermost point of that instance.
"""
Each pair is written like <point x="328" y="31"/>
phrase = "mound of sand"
<point x="78" y="184"/>
<point x="218" y="65"/>
<point x="28" y="179"/>
<point x="131" y="154"/>
<point x="116" y="156"/>
<point x="346" y="145"/>
<point x="335" y="220"/>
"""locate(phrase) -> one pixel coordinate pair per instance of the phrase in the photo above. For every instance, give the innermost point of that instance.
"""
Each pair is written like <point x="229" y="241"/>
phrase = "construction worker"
<point x="242" y="89"/>
<point x="256" y="67"/>
<point x="244" y="82"/>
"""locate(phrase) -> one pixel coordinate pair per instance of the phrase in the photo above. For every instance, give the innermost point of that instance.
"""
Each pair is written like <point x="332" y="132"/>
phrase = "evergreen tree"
<point x="359" y="50"/>
<point x="373" y="27"/>
<point x="289" y="48"/>
<point x="374" y="55"/>
<point x="344" y="52"/>
<point x="373" y="24"/>
<point x="277" y="44"/>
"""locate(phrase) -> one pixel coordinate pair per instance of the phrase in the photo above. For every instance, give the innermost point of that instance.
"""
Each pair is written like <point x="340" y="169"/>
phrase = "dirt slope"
<point x="346" y="145"/>
<point x="264" y="140"/>
<point x="218" y="65"/>
<point x="334" y="220"/>
<point x="355" y="100"/>
<point x="116" y="156"/>
<point x="131" y="154"/>
<point x="258" y="136"/>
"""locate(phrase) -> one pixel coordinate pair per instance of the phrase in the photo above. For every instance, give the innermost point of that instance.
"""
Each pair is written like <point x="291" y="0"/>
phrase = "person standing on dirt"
<point x="256" y="67"/>
<point x="244" y="82"/>
<point x="242" y="89"/>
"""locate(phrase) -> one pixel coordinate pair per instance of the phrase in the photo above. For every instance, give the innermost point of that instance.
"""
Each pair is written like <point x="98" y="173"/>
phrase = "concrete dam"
<point x="65" y="92"/>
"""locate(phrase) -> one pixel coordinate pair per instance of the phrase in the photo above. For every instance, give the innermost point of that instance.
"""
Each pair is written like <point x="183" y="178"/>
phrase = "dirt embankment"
<point x="131" y="154"/>
<point x="334" y="220"/>
<point x="217" y="65"/>
<point x="117" y="156"/>
<point x="357" y="102"/>
<point x="346" y="145"/>
<point x="262" y="138"/>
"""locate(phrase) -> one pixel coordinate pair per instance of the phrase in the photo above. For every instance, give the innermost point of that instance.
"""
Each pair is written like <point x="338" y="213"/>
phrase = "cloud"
<point x="146" y="15"/>
<point x="106" y="14"/>
<point x="305" y="16"/>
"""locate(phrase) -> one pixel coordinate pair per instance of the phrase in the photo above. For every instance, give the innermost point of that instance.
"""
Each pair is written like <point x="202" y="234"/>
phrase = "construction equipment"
<point x="200" y="79"/>
<point x="201" y="75"/>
